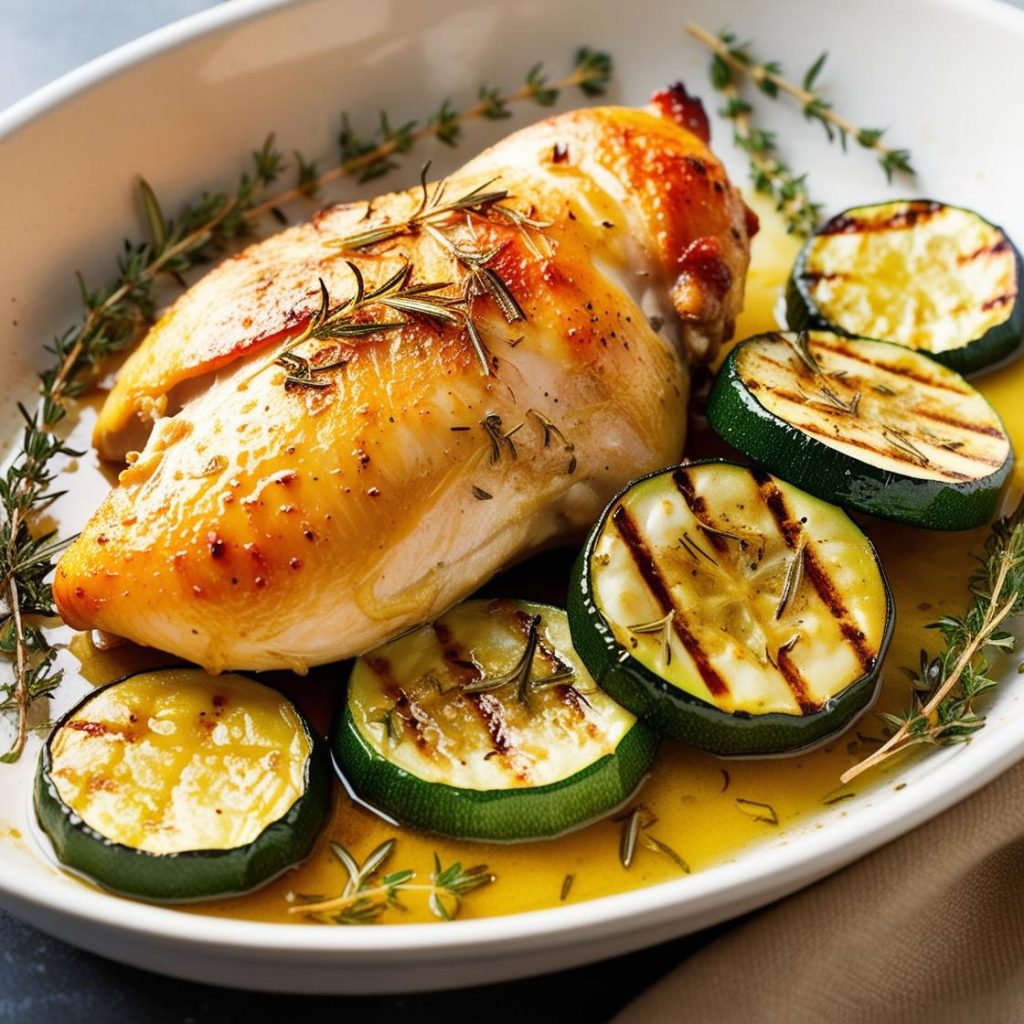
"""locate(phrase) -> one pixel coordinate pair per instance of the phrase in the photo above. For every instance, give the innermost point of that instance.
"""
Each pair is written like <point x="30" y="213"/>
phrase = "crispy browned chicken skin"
<point x="273" y="525"/>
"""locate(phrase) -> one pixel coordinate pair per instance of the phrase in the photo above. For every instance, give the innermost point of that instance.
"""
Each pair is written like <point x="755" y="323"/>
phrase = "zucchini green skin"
<point x="739" y="418"/>
<point x="681" y="715"/>
<point x="997" y="344"/>
<point x="191" y="875"/>
<point x="495" y="815"/>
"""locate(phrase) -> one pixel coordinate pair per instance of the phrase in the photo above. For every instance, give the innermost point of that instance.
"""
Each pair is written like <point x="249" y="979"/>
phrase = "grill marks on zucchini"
<point x="931" y="277"/>
<point x="889" y="217"/>
<point x="513" y="739"/>
<point x="647" y="566"/>
<point x="893" y="397"/>
<point x="776" y="629"/>
<point x="698" y="507"/>
<point x="870" y="424"/>
<point x="814" y="569"/>
<point x="465" y="670"/>
<point x="729" y="607"/>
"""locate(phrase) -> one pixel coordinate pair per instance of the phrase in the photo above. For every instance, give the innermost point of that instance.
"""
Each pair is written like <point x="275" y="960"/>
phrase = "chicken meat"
<point x="312" y="470"/>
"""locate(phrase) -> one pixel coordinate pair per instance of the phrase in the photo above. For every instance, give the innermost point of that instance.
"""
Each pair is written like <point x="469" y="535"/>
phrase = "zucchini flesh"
<point x="176" y="785"/>
<point x="931" y="277"/>
<point x="871" y="425"/>
<point x="426" y="737"/>
<point x="735" y="611"/>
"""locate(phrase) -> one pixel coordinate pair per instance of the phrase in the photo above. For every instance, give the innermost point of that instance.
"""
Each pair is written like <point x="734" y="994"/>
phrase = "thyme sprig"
<point x="25" y="562"/>
<point x="116" y="315"/>
<point x="114" y="319"/>
<point x="947" y="686"/>
<point x="368" y="894"/>
<point x="374" y="156"/>
<point x="731" y="57"/>
<point x="769" y="173"/>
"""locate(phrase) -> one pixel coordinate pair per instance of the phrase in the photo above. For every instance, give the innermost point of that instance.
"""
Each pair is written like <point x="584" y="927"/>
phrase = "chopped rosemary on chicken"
<point x="343" y="322"/>
<point x="434" y="208"/>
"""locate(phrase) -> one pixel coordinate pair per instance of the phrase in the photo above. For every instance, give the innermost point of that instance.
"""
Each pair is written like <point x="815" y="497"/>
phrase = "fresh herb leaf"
<point x="366" y="896"/>
<point x="947" y="686"/>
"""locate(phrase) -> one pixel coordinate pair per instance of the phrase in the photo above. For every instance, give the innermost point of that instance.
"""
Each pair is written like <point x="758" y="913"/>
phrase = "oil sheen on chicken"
<point x="264" y="524"/>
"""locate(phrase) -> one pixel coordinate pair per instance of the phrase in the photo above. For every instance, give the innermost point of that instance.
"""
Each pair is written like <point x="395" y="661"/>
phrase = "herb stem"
<point x="348" y="898"/>
<point x="994" y="615"/>
<point x="769" y="80"/>
<point x="19" y="693"/>
<point x="392" y="147"/>
<point x="770" y="175"/>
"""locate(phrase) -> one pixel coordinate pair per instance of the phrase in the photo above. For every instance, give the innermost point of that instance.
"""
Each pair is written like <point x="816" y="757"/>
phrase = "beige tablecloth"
<point x="928" y="929"/>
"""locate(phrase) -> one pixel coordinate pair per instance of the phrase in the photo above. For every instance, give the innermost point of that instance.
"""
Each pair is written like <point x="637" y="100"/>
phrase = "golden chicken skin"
<point x="348" y="427"/>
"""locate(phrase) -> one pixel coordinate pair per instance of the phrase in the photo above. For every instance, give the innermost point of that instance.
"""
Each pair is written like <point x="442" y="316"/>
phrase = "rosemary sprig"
<point x="480" y="280"/>
<point x="800" y="343"/>
<point x="900" y="440"/>
<point x="730" y="56"/>
<point x="694" y="550"/>
<point x="115" y="317"/>
<point x="350" y="319"/>
<point x="851" y="406"/>
<point x="499" y="438"/>
<point x="398" y="294"/>
<point x="368" y="894"/>
<point x="947" y="686"/>
<point x="757" y="810"/>
<point x="519" y="676"/>
<point x="628" y="836"/>
<point x="794" y="577"/>
<point x="634" y="825"/>
<point x="435" y="207"/>
<point x="662" y="627"/>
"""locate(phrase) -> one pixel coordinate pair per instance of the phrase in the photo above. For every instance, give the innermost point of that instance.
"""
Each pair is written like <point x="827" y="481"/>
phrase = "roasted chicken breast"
<point x="301" y="495"/>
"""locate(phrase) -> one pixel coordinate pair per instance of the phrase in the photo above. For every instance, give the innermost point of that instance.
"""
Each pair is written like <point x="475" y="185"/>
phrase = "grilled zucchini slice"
<point x="935" y="278"/>
<point x="731" y="610"/>
<point x="486" y="725"/>
<point x="868" y="424"/>
<point x="174" y="785"/>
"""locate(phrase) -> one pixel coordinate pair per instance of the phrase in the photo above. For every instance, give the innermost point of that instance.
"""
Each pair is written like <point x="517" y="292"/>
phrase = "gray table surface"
<point x="42" y="978"/>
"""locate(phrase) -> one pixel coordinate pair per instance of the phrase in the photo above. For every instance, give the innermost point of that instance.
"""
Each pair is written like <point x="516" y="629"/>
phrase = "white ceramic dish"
<point x="185" y="106"/>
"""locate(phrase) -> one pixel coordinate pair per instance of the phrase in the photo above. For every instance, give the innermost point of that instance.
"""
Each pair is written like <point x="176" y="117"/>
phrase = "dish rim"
<point x="720" y="886"/>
